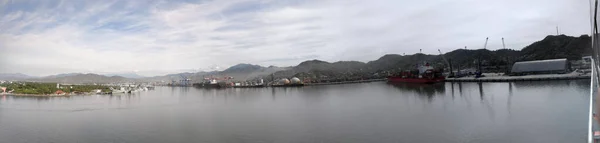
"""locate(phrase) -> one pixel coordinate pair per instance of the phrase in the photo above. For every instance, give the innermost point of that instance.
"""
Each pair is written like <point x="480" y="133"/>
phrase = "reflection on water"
<point x="551" y="83"/>
<point x="510" y="94"/>
<point x="546" y="111"/>
<point x="480" y="90"/>
<point x="428" y="90"/>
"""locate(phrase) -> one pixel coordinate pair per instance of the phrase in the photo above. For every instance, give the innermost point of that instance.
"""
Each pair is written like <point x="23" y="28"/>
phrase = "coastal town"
<point x="552" y="69"/>
<point x="19" y="88"/>
<point x="460" y="65"/>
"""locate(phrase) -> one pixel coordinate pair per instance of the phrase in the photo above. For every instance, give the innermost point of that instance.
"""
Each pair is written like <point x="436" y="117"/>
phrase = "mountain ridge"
<point x="551" y="47"/>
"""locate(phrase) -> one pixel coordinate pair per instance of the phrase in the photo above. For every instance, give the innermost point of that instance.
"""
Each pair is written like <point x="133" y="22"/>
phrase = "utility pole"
<point x="557" y="30"/>
<point x="507" y="57"/>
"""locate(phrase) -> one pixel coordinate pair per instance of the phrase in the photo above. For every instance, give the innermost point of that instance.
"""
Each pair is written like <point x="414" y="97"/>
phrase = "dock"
<point x="345" y="82"/>
<point x="502" y="78"/>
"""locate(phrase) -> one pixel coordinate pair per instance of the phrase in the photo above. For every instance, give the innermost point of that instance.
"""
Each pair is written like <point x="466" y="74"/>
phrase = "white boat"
<point x="117" y="91"/>
<point x="136" y="90"/>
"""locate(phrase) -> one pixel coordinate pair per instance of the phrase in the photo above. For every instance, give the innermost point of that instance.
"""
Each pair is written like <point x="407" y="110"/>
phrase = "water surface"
<point x="544" y="111"/>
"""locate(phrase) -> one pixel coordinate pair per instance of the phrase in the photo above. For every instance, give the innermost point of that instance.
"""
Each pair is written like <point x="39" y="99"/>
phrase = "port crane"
<point x="173" y="81"/>
<point x="218" y="78"/>
<point x="479" y="72"/>
<point x="447" y="63"/>
<point x="185" y="81"/>
<point x="507" y="60"/>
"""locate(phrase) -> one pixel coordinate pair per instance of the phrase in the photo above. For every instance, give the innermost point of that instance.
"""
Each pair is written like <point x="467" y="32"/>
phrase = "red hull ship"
<point x="424" y="74"/>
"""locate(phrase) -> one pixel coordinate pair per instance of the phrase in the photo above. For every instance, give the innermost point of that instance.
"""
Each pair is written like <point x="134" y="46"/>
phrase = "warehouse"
<point x="553" y="66"/>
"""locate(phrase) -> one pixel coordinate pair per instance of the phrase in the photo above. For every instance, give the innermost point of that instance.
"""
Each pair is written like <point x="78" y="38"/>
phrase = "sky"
<point x="157" y="37"/>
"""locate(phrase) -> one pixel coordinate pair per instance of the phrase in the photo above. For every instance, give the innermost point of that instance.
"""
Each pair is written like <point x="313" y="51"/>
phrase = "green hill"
<point x="551" y="47"/>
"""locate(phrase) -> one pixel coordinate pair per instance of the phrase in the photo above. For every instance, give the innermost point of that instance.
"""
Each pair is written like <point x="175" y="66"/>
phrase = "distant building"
<point x="553" y="66"/>
<point x="59" y="92"/>
<point x="583" y="64"/>
<point x="587" y="59"/>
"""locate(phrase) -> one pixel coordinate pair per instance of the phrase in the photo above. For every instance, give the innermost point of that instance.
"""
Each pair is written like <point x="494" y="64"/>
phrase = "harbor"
<point x="346" y="82"/>
<point x="57" y="89"/>
<point x="493" y="77"/>
<point x="352" y="110"/>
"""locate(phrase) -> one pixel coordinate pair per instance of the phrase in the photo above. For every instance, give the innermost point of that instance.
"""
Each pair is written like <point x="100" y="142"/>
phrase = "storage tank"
<point x="296" y="80"/>
<point x="284" y="81"/>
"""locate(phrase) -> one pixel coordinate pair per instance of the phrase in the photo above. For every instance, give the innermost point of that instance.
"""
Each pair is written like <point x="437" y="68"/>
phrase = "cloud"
<point x="157" y="37"/>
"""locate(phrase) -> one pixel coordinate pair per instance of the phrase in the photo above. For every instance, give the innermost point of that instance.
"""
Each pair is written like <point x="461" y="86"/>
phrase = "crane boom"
<point x="479" y="72"/>
<point x="444" y="58"/>
<point x="486" y="40"/>
<point x="185" y="81"/>
<point x="447" y="62"/>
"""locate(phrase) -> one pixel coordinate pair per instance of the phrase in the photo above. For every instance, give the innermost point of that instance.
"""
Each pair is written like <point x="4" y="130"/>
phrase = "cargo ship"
<point x="213" y="83"/>
<point x="423" y="74"/>
<point x="249" y="84"/>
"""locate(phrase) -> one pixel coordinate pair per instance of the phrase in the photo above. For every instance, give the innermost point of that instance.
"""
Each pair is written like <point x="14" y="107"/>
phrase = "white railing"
<point x="592" y="105"/>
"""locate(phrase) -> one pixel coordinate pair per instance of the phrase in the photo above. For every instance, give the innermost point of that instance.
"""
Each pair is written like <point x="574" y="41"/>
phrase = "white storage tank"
<point x="296" y="80"/>
<point x="284" y="81"/>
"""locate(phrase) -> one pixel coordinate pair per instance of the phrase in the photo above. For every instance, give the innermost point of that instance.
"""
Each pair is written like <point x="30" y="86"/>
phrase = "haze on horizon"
<point x="156" y="37"/>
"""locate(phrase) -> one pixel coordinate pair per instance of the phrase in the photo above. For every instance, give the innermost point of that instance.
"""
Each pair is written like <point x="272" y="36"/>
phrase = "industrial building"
<point x="583" y="64"/>
<point x="553" y="66"/>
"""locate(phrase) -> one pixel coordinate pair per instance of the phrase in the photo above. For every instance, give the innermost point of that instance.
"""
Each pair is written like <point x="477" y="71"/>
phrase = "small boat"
<point x="249" y="86"/>
<point x="136" y="90"/>
<point x="118" y="91"/>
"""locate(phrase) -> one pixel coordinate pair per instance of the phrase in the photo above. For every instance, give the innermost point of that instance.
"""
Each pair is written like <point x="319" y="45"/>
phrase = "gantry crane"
<point x="185" y="81"/>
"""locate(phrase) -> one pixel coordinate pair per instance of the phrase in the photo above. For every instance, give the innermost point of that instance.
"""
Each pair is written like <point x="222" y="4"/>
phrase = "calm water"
<point x="547" y="111"/>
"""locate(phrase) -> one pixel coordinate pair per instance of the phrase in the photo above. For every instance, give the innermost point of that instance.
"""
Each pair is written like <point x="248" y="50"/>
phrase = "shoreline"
<point x="502" y="78"/>
<point x="488" y="78"/>
<point x="43" y="95"/>
<point x="346" y="82"/>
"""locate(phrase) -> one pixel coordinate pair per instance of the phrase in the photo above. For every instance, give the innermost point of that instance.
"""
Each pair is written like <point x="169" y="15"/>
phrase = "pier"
<point x="502" y="78"/>
<point x="345" y="82"/>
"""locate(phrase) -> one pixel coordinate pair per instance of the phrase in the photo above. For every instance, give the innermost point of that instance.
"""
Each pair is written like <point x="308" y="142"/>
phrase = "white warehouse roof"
<point x="540" y="66"/>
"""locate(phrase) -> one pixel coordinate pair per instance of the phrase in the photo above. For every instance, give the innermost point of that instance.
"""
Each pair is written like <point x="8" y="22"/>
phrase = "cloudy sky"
<point x="157" y="37"/>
